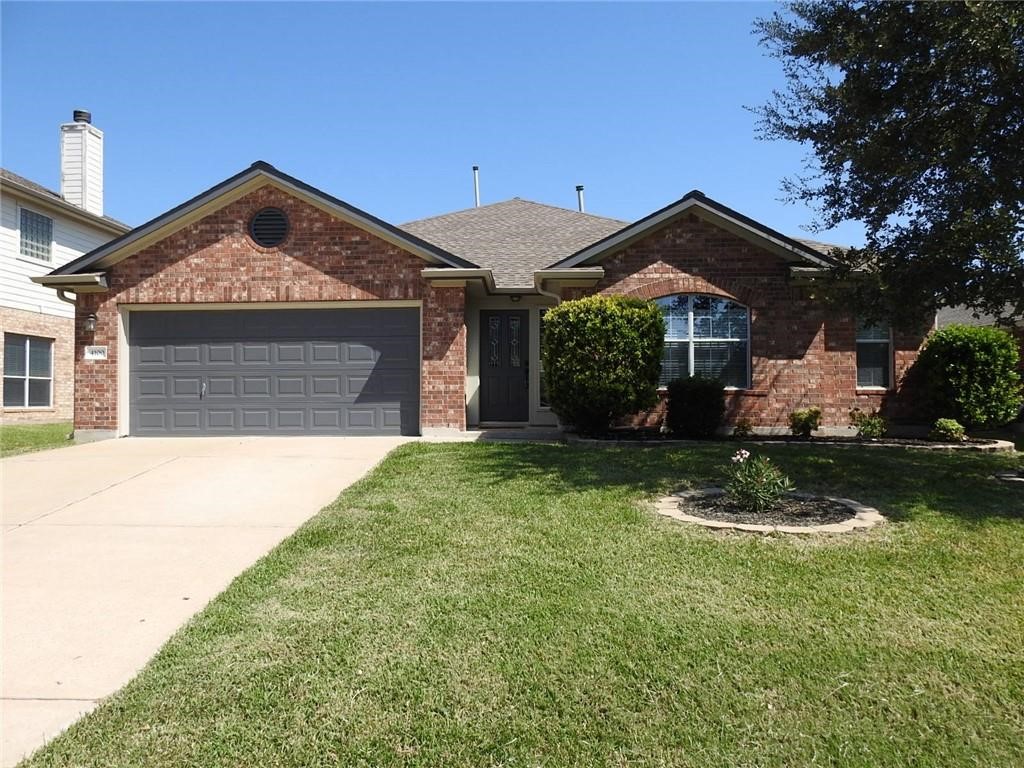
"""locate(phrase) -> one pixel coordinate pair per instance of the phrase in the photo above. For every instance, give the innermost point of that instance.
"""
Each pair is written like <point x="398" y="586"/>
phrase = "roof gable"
<point x="698" y="203"/>
<point x="255" y="176"/>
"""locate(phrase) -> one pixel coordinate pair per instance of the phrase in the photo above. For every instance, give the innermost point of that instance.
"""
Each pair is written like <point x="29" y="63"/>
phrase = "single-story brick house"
<point x="264" y="305"/>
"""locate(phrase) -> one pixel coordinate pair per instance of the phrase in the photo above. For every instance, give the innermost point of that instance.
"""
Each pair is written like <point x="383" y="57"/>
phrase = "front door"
<point x="504" y="365"/>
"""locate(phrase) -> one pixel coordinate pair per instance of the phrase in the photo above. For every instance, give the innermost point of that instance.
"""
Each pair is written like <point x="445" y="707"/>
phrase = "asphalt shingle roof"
<point x="823" y="248"/>
<point x="39" y="189"/>
<point x="515" y="237"/>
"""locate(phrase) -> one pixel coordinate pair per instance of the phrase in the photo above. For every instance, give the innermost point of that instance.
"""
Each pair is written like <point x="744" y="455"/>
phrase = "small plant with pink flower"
<point x="755" y="483"/>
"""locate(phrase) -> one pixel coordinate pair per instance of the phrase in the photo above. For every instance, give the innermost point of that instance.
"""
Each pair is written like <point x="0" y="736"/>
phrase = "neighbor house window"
<point x="874" y="356"/>
<point x="28" y="371"/>
<point x="36" y="235"/>
<point x="705" y="336"/>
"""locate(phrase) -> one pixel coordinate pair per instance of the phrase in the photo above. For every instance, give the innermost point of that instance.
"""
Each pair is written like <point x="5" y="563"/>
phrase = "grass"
<point x="520" y="605"/>
<point x="22" y="438"/>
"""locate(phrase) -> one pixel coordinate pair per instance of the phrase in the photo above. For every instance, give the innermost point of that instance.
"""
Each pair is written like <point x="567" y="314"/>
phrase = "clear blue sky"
<point x="388" y="106"/>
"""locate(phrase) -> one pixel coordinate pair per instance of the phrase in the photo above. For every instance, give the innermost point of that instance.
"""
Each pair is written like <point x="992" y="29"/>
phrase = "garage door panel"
<point x="186" y="420"/>
<point x="152" y="355"/>
<point x="220" y="354"/>
<point x="221" y="386"/>
<point x="320" y="371"/>
<point x="290" y="353"/>
<point x="220" y="419"/>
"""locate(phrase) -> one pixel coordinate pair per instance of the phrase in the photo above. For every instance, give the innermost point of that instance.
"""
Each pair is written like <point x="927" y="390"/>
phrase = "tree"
<point x="914" y="114"/>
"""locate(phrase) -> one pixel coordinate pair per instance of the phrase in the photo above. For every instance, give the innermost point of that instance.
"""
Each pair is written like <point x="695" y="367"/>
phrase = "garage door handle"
<point x="202" y="391"/>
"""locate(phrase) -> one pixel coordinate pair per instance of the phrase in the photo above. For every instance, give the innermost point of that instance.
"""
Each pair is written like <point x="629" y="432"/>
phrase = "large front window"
<point x="705" y="336"/>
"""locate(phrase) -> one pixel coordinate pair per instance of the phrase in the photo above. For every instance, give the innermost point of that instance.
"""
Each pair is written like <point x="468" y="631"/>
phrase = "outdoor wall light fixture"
<point x="90" y="322"/>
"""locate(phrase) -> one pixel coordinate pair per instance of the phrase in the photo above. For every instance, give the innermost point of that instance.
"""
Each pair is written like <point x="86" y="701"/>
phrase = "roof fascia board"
<point x="717" y="213"/>
<point x="254" y="177"/>
<point x="64" y="208"/>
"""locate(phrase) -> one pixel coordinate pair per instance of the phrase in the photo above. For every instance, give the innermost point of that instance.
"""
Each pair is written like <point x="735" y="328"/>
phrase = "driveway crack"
<point x="94" y="493"/>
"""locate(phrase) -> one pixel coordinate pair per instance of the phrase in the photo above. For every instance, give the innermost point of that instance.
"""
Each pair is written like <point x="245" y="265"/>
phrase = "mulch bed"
<point x="788" y="511"/>
<point x="654" y="435"/>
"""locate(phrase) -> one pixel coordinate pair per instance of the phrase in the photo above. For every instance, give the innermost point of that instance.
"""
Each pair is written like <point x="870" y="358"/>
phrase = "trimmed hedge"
<point x="970" y="374"/>
<point x="696" y="406"/>
<point x="602" y="359"/>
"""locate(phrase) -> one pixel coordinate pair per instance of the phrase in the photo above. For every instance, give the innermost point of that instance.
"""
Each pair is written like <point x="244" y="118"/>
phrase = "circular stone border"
<point x="863" y="516"/>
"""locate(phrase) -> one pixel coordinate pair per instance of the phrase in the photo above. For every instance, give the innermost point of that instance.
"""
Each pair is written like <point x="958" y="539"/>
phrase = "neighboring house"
<point x="264" y="305"/>
<point x="40" y="230"/>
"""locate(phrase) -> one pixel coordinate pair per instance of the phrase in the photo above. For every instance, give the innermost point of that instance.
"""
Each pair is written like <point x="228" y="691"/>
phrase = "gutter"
<point x="583" y="277"/>
<point x="89" y="282"/>
<point x="454" y="277"/>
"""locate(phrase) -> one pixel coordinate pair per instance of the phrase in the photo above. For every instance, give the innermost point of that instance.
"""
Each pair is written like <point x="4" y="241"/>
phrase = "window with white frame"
<point x="874" y="356"/>
<point x="28" y="371"/>
<point x="36" y="235"/>
<point x="705" y="336"/>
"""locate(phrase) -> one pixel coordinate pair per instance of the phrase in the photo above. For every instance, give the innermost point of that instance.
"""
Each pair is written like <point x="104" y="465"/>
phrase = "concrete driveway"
<point x="109" y="547"/>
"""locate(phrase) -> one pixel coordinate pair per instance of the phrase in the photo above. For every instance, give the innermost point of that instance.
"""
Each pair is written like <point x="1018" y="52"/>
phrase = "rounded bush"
<point x="695" y="407"/>
<point x="869" y="425"/>
<point x="948" y="431"/>
<point x="602" y="359"/>
<point x="970" y="373"/>
<point x="805" y="421"/>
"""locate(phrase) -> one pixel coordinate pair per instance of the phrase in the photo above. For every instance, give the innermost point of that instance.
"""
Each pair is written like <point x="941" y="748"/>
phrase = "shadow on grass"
<point x="901" y="483"/>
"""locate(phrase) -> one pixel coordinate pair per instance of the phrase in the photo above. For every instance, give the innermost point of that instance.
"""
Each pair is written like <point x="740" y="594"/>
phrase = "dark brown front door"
<point x="504" y="365"/>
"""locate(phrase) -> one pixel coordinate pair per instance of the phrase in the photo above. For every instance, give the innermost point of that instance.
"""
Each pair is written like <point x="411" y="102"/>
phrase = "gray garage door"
<point x="304" y="371"/>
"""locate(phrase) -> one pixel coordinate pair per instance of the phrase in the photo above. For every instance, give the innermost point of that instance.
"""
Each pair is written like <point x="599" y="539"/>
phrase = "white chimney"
<point x="81" y="163"/>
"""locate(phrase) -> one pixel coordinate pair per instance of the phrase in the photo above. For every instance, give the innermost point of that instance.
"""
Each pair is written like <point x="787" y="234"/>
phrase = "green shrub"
<point x="755" y="484"/>
<point x="743" y="429"/>
<point x="869" y="425"/>
<point x="695" y="407"/>
<point x="971" y="374"/>
<point x="602" y="359"/>
<point x="803" y="422"/>
<point x="948" y="431"/>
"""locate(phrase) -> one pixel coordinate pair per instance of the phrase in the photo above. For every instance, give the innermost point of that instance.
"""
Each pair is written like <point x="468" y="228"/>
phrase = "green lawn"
<point x="520" y="605"/>
<point x="22" y="438"/>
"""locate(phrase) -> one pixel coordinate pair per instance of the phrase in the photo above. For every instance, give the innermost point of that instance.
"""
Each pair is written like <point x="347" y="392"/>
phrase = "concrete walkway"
<point x="109" y="547"/>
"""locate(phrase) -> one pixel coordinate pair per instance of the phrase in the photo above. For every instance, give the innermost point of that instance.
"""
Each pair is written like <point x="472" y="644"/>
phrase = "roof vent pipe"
<point x="476" y="185"/>
<point x="579" y="197"/>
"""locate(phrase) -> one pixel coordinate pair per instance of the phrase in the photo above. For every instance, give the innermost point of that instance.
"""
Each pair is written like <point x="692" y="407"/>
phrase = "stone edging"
<point x="996" y="446"/>
<point x="864" y="516"/>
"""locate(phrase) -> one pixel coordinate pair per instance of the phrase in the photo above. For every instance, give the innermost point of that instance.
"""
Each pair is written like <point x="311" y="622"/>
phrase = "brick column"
<point x="443" y="383"/>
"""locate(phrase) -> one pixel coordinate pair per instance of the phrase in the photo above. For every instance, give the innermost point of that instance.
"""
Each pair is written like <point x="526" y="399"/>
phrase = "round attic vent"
<point x="268" y="227"/>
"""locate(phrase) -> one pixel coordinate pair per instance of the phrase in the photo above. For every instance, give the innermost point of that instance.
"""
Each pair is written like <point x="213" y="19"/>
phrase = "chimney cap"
<point x="82" y="116"/>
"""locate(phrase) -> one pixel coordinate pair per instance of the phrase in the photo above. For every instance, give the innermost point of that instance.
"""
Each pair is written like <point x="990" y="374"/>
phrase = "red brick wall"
<point x="323" y="259"/>
<point x="802" y="355"/>
<point x="60" y="329"/>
